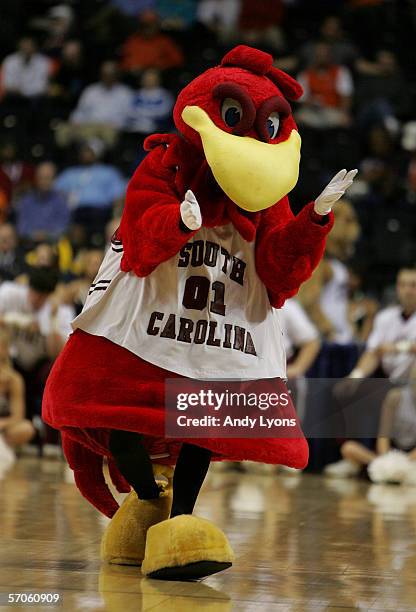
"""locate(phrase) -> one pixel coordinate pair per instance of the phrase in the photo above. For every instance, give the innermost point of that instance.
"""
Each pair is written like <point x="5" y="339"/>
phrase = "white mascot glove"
<point x="190" y="211"/>
<point x="334" y="191"/>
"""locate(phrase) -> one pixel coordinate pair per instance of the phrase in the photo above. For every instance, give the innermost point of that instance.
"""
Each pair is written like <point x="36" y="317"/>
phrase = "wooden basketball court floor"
<point x="302" y="544"/>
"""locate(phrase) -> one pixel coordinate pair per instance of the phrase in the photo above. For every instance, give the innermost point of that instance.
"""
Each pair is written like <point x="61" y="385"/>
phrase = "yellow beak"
<point x="255" y="175"/>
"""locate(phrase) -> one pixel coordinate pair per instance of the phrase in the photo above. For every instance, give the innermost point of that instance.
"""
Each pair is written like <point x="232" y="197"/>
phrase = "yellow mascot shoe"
<point x="185" y="548"/>
<point x="124" y="539"/>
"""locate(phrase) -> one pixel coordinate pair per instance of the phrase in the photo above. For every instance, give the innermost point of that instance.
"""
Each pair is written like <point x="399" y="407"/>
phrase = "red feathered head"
<point x="239" y="114"/>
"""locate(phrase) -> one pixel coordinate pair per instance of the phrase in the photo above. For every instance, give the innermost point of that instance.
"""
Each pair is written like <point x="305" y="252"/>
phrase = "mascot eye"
<point x="273" y="123"/>
<point x="231" y="112"/>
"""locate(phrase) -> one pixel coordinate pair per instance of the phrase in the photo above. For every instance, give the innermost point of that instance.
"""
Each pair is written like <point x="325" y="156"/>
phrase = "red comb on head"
<point x="261" y="63"/>
<point x="290" y="88"/>
<point x="251" y="59"/>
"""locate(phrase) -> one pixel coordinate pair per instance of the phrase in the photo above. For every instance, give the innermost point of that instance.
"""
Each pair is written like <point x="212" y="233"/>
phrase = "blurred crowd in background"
<point x="83" y="83"/>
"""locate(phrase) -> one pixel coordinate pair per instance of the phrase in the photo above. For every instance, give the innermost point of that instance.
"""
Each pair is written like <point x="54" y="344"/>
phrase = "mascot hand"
<point x="190" y="212"/>
<point x="334" y="191"/>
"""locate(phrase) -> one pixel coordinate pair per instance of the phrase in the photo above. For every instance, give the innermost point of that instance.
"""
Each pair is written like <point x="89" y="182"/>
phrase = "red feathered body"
<point x="99" y="383"/>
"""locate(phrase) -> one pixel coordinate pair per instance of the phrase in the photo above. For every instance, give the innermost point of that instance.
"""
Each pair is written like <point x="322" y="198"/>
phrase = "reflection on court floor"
<point x="302" y="543"/>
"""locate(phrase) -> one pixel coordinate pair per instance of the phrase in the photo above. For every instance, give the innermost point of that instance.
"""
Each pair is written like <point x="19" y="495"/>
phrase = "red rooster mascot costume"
<point x="207" y="248"/>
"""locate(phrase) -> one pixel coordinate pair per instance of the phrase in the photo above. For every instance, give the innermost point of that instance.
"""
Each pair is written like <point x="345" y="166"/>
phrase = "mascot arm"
<point x="289" y="248"/>
<point x="151" y="229"/>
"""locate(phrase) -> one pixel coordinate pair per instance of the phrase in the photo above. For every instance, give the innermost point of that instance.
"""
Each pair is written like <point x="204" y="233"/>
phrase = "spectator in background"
<point x="325" y="296"/>
<point x="132" y="8"/>
<point x="59" y="27"/>
<point x="149" y="47"/>
<point x="301" y="338"/>
<point x="342" y="49"/>
<point x="260" y="23"/>
<point x="39" y="327"/>
<point x="93" y="188"/>
<point x="408" y="138"/>
<point x="16" y="176"/>
<point x="69" y="80"/>
<point x="44" y="255"/>
<point x="379" y="173"/>
<point x="43" y="213"/>
<point x="397" y="429"/>
<point x="15" y="429"/>
<point x="4" y="197"/>
<point x="391" y="347"/>
<point x="176" y="14"/>
<point x="75" y="292"/>
<point x="328" y="90"/>
<point x="380" y="145"/>
<point x="387" y="222"/>
<point x="11" y="257"/>
<point x="101" y="110"/>
<point x="410" y="185"/>
<point x="220" y="16"/>
<point x="56" y="255"/>
<point x="104" y="103"/>
<point x="392" y="342"/>
<point x="362" y="307"/>
<point x="331" y="32"/>
<point x="151" y="105"/>
<point x="379" y="95"/>
<point x="26" y="72"/>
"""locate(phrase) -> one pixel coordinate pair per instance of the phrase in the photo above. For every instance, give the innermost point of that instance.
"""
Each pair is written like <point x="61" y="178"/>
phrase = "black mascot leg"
<point x="133" y="461"/>
<point x="190" y="471"/>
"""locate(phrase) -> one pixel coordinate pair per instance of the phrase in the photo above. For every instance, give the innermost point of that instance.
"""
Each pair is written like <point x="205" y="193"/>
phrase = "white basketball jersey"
<point x="334" y="302"/>
<point x="204" y="313"/>
<point x="391" y="327"/>
<point x="297" y="328"/>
